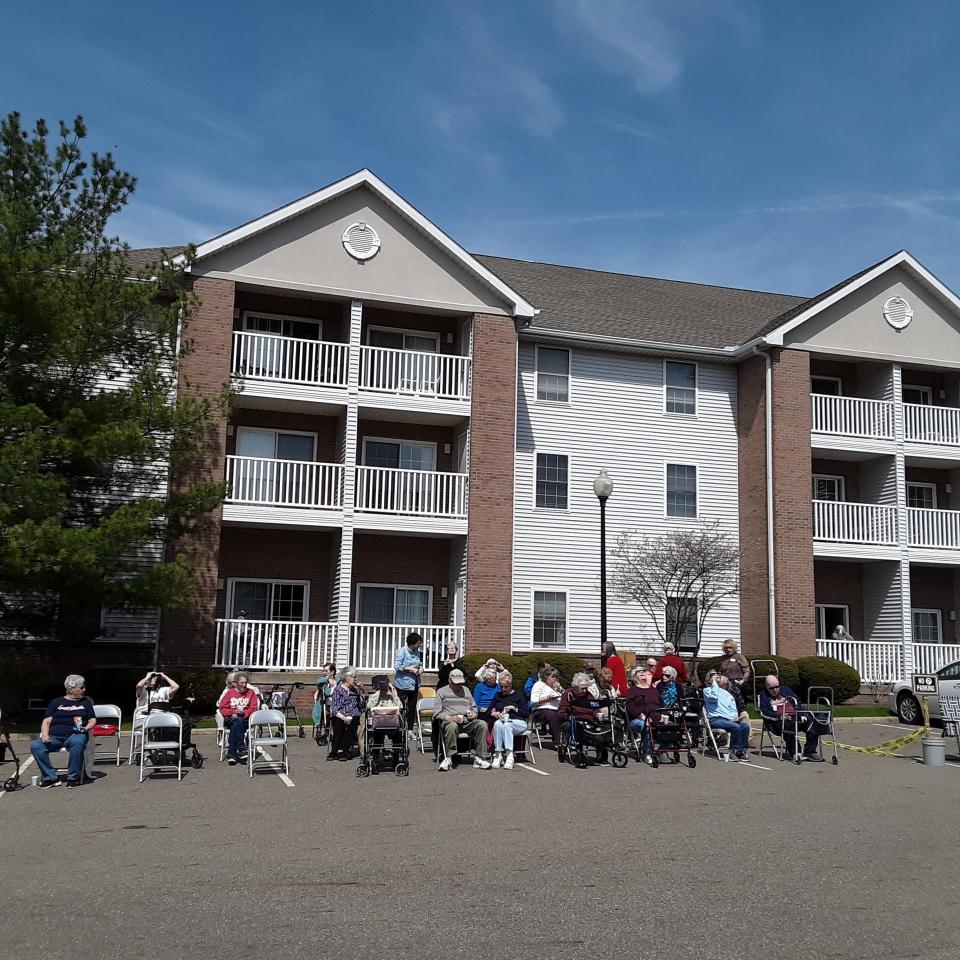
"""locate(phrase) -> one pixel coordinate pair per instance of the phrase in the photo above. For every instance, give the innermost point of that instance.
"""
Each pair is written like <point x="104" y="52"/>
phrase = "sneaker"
<point x="648" y="758"/>
<point x="242" y="758"/>
<point x="480" y="764"/>
<point x="232" y="761"/>
<point x="498" y="761"/>
<point x="813" y="758"/>
<point x="331" y="756"/>
<point x="412" y="735"/>
<point x="508" y="763"/>
<point x="47" y="784"/>
<point x="446" y="764"/>
<point x="72" y="783"/>
<point x="742" y="756"/>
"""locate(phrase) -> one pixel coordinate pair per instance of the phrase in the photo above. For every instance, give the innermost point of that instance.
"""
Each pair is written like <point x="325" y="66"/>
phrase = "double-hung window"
<point x="284" y="600"/>
<point x="681" y="490"/>
<point x="828" y="487"/>
<point x="552" y="480"/>
<point x="553" y="374"/>
<point x="393" y="604"/>
<point x="927" y="627"/>
<point x="549" y="619"/>
<point x="680" y="383"/>
<point x="922" y="495"/>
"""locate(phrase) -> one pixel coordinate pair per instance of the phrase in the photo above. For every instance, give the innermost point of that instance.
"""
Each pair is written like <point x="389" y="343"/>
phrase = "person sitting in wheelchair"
<point x="582" y="714"/>
<point x="383" y="708"/>
<point x="778" y="707"/>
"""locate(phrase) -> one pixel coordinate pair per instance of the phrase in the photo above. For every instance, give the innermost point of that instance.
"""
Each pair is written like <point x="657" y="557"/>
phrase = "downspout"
<point x="768" y="438"/>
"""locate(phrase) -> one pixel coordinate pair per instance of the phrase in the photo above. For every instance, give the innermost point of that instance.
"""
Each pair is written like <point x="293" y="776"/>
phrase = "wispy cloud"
<point x="145" y="224"/>
<point x="622" y="123"/>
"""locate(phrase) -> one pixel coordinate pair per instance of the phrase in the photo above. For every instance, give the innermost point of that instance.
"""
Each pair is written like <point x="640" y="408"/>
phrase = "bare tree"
<point x="678" y="578"/>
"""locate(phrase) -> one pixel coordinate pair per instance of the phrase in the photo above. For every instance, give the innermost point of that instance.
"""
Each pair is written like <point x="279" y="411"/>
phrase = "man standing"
<point x="67" y="723"/>
<point x="456" y="712"/>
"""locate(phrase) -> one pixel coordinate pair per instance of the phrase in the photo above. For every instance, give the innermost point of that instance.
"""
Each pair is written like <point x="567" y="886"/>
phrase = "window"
<point x="274" y="444"/>
<point x="285" y="600"/>
<point x="685" y="634"/>
<point x="399" y="454"/>
<point x="829" y="617"/>
<point x="549" y="619"/>
<point x="274" y="356"/>
<point x="831" y="386"/>
<point x="926" y="626"/>
<point x="553" y="374"/>
<point x="920" y="395"/>
<point x="79" y="622"/>
<point x="680" y="381"/>
<point x="552" y="478"/>
<point x="395" y="339"/>
<point x="257" y="480"/>
<point x="282" y="326"/>
<point x="827" y="487"/>
<point x="410" y="373"/>
<point x="922" y="495"/>
<point x="951" y="672"/>
<point x="681" y="490"/>
<point x="394" y="604"/>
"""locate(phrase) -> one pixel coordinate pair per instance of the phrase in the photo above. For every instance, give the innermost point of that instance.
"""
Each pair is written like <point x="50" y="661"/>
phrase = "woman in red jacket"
<point x="614" y="663"/>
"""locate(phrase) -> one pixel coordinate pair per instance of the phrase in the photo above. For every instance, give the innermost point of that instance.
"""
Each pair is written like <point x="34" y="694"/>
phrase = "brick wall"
<point x="841" y="583"/>
<point x="492" y="451"/>
<point x="187" y="636"/>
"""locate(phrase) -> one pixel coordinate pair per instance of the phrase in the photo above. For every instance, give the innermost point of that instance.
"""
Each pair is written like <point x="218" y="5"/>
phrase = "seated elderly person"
<point x="722" y="714"/>
<point x="579" y="708"/>
<point x="492" y="663"/>
<point x="155" y="687"/>
<point x="544" y="700"/>
<point x="669" y="686"/>
<point x="236" y="707"/>
<point x="455" y="712"/>
<point x="66" y="724"/>
<point x="605" y="685"/>
<point x="643" y="698"/>
<point x="346" y="707"/>
<point x="778" y="707"/>
<point x="509" y="712"/>
<point x="485" y="691"/>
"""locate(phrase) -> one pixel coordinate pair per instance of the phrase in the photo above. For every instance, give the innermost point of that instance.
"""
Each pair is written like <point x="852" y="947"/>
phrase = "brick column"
<point x="493" y="424"/>
<point x="187" y="636"/>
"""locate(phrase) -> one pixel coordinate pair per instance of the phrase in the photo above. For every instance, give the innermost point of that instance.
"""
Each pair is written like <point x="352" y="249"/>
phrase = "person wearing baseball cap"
<point x="455" y="712"/>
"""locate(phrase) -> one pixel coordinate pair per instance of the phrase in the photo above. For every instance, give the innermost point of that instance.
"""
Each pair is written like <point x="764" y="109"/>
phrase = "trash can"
<point x="934" y="751"/>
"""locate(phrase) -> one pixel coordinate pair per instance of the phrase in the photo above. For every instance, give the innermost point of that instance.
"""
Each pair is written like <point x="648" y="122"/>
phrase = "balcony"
<point x="392" y="498"/>
<point x="936" y="426"/>
<point x="283" y="645"/>
<point x="434" y="383"/>
<point x="852" y="417"/>
<point x="884" y="662"/>
<point x="283" y="491"/>
<point x="936" y="529"/>
<point x="859" y="524"/>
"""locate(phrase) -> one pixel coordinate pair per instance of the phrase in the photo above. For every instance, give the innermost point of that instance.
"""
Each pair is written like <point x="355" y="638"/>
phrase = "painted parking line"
<point x="889" y="726"/>
<point x="524" y="766"/>
<point x="23" y="766"/>
<point x="905" y="756"/>
<point x="281" y="774"/>
<point x="754" y="766"/>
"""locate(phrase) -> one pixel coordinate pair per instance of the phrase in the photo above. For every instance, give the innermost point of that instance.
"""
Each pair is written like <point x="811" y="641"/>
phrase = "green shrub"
<point x="786" y="670"/>
<point x="207" y="685"/>
<point x="827" y="672"/>
<point x="522" y="665"/>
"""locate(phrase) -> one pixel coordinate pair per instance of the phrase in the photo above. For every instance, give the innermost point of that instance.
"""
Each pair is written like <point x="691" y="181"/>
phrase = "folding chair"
<point x="710" y="734"/>
<point x="171" y="724"/>
<point x="136" y="731"/>
<point x="222" y="735"/>
<point x="768" y="726"/>
<point x="112" y="714"/>
<point x="260" y="733"/>
<point x="425" y="708"/>
<point x="523" y="744"/>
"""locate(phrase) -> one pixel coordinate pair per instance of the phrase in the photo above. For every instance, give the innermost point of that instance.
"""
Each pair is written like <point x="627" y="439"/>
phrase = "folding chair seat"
<point x="109" y="719"/>
<point x="170" y="725"/>
<point x="523" y="744"/>
<point x="267" y="728"/>
<point x="425" y="708"/>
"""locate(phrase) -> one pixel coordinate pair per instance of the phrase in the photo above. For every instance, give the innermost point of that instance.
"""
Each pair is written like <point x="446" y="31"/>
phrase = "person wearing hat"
<point x="734" y="665"/>
<point x="670" y="659"/>
<point x="455" y="712"/>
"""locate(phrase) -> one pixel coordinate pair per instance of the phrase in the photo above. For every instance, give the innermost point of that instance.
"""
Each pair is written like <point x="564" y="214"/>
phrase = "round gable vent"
<point x="897" y="312"/>
<point x="361" y="241"/>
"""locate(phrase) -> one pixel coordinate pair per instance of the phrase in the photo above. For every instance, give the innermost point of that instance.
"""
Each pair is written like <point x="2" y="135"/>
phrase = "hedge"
<point x="827" y="672"/>
<point x="522" y="665"/>
<point x="786" y="670"/>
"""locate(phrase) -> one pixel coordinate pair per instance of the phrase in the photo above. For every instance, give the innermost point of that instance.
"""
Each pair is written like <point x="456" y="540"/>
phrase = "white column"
<point x="903" y="526"/>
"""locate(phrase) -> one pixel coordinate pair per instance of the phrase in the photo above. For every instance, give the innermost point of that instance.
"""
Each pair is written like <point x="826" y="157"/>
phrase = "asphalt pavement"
<point x="723" y="861"/>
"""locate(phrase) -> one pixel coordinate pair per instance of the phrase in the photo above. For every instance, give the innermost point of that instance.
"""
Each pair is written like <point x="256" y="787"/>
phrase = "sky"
<point x="772" y="146"/>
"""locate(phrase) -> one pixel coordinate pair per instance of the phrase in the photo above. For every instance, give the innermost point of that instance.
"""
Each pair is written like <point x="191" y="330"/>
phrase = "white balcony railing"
<point x="930" y="657"/>
<point x="927" y="424"/>
<point x="883" y="662"/>
<point x="422" y="374"/>
<point x="264" y="356"/>
<point x="854" y="522"/>
<point x="934" y="528"/>
<point x="284" y="483"/>
<point x="373" y="646"/>
<point x="275" y="645"/>
<point x="420" y="493"/>
<point x="852" y="416"/>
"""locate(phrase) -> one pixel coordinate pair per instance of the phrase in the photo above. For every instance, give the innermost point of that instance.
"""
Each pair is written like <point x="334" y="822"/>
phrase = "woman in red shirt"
<point x="614" y="663"/>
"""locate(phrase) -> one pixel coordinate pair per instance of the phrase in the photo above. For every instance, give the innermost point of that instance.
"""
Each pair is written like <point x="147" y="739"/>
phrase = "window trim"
<point x="401" y="441"/>
<point x="273" y="430"/>
<point x="696" y="474"/>
<point x="231" y="585"/>
<point x="534" y="590"/>
<point x="817" y="607"/>
<point x="920" y="388"/>
<point x="556" y="453"/>
<point x="837" y="380"/>
<point x="696" y="622"/>
<point x="696" y="389"/>
<point x="278" y="316"/>
<point x="536" y="374"/>
<point x="831" y="476"/>
<point x="925" y="486"/>
<point x="395" y="587"/>
<point x="426" y="334"/>
<point x="939" y="616"/>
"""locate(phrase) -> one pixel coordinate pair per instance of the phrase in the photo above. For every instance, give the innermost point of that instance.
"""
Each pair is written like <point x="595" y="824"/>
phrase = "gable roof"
<point x="366" y="178"/>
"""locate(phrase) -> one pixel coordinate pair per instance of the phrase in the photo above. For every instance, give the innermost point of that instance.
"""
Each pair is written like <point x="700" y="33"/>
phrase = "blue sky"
<point x="766" y="145"/>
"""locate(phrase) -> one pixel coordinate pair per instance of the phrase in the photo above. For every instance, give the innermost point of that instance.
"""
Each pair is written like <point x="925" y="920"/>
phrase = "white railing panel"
<point x="415" y="372"/>
<point x="274" y="644"/>
<point x="373" y="646"/>
<point x="420" y="493"/>
<point x="284" y="483"/>
<point x="264" y="356"/>
<point x="934" y="528"/>
<point x="854" y="522"/>
<point x="928" y="424"/>
<point x="930" y="657"/>
<point x="852" y="416"/>
<point x="875" y="662"/>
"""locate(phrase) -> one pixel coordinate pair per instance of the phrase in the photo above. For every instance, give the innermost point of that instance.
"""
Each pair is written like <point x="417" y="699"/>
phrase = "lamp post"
<point x="603" y="487"/>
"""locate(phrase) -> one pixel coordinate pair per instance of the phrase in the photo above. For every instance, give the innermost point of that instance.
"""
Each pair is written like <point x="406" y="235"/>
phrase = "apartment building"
<point x="416" y="431"/>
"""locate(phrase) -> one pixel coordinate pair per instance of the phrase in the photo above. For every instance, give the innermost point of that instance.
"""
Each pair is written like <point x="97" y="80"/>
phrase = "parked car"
<point x="904" y="703"/>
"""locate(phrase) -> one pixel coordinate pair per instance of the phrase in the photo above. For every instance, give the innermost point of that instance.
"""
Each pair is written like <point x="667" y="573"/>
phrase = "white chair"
<point x="221" y="735"/>
<point x="172" y="725"/>
<point x="425" y="708"/>
<point x="108" y="712"/>
<point x="136" y="731"/>
<point x="261" y="733"/>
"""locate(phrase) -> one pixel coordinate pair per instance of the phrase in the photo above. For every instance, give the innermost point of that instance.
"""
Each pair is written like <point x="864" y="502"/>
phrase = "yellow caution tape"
<point x="885" y="749"/>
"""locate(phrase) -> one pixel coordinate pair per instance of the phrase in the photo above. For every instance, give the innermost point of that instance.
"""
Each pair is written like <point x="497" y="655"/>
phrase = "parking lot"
<point x="722" y="861"/>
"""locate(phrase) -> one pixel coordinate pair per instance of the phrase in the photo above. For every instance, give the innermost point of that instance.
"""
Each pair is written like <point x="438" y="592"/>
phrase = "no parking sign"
<point x="925" y="684"/>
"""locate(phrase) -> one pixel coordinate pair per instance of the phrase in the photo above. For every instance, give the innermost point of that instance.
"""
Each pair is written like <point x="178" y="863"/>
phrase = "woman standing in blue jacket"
<point x="408" y="665"/>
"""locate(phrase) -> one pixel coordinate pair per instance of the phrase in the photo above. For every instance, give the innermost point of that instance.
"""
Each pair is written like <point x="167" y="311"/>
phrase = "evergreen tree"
<point x="90" y="416"/>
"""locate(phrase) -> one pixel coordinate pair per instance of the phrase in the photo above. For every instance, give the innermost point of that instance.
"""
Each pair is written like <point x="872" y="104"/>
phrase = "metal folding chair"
<point x="267" y="728"/>
<point x="111" y="713"/>
<point x="171" y="724"/>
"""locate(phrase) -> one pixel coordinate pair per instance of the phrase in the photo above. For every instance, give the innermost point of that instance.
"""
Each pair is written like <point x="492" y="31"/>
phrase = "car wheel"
<point x="908" y="709"/>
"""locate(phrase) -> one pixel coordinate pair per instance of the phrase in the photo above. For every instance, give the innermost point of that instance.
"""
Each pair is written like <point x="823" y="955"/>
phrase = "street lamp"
<point x="603" y="487"/>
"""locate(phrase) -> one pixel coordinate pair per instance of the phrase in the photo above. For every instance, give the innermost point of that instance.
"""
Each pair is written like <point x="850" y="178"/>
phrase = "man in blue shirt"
<point x="67" y="723"/>
<point x="723" y="714"/>
<point x="408" y="665"/>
